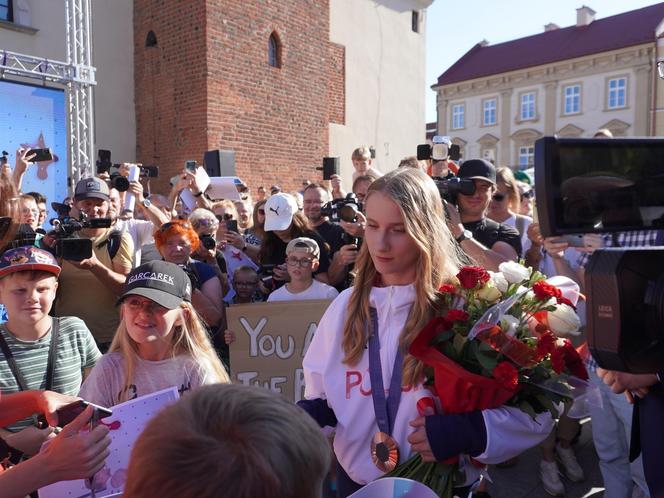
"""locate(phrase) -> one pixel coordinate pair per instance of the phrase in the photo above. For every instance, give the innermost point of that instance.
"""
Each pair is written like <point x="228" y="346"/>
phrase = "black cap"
<point x="477" y="169"/>
<point x="164" y="283"/>
<point x="94" y="188"/>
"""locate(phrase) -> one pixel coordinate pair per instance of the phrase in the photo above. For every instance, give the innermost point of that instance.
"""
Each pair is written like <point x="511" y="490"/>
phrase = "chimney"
<point x="584" y="16"/>
<point x="552" y="26"/>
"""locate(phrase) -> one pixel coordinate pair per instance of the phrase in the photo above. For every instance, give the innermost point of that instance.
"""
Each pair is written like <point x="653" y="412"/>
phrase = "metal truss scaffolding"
<point x="78" y="77"/>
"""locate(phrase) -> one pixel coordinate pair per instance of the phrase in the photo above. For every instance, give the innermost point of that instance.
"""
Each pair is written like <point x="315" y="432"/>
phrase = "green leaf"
<point x="442" y="337"/>
<point x="526" y="407"/>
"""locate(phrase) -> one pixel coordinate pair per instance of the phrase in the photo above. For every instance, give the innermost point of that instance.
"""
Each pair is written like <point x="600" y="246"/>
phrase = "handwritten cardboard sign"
<point x="271" y="340"/>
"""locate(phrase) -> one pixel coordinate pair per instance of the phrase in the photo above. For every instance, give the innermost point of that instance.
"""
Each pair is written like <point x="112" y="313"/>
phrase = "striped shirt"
<point x="76" y="350"/>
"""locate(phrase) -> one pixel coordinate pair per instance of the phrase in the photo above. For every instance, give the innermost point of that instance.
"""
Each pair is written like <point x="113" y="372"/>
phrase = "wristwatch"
<point x="146" y="203"/>
<point x="466" y="234"/>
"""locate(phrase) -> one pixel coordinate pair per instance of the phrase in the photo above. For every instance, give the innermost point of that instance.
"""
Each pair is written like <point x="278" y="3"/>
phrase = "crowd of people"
<point x="114" y="304"/>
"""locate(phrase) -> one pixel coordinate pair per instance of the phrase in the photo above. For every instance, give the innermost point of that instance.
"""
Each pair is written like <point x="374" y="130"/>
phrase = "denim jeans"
<point x="612" y="426"/>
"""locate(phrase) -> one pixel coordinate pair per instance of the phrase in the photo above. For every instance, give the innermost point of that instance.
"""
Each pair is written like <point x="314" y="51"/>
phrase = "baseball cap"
<point x="28" y="258"/>
<point x="478" y="169"/>
<point x="94" y="187"/>
<point x="279" y="210"/>
<point x="304" y="243"/>
<point x="164" y="283"/>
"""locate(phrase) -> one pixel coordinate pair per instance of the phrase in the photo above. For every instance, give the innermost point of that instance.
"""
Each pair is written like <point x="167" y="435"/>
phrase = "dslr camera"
<point x="345" y="209"/>
<point x="69" y="247"/>
<point x="591" y="185"/>
<point x="450" y="188"/>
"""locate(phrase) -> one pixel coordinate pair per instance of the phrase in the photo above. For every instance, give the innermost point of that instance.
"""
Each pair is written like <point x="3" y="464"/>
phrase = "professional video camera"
<point x="450" y="188"/>
<point x="345" y="209"/>
<point x="441" y="148"/>
<point x="68" y="247"/>
<point x="611" y="185"/>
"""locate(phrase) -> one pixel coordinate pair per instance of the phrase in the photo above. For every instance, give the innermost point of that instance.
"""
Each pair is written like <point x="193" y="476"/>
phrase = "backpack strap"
<point x="112" y="243"/>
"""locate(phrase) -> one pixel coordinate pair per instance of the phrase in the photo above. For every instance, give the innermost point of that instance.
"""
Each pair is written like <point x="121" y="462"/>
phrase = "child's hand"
<point x="229" y="336"/>
<point x="30" y="439"/>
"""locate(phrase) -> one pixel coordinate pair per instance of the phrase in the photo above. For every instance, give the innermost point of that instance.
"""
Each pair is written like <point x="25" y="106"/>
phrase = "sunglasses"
<point x="499" y="197"/>
<point x="528" y="195"/>
<point x="224" y="217"/>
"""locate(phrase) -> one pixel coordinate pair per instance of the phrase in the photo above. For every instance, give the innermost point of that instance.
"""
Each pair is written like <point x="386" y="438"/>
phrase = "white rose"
<point x="489" y="292"/>
<point x="509" y="324"/>
<point x="499" y="279"/>
<point x="514" y="273"/>
<point x="564" y="321"/>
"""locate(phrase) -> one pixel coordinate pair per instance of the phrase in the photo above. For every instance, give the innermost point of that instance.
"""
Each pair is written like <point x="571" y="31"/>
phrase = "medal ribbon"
<point x="385" y="409"/>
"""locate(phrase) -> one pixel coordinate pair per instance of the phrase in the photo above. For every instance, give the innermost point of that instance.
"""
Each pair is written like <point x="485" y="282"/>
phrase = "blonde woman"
<point x="363" y="338"/>
<point x="160" y="342"/>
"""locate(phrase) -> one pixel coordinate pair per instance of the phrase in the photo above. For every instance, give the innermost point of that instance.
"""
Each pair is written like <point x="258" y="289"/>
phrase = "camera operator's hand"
<point x="356" y="228"/>
<point x="453" y="219"/>
<point x="555" y="247"/>
<point x="620" y="382"/>
<point x="535" y="235"/>
<point x="184" y="180"/>
<point x="281" y="273"/>
<point x="86" y="264"/>
<point x="347" y="254"/>
<point x="30" y="439"/>
<point x="136" y="188"/>
<point x="592" y="242"/>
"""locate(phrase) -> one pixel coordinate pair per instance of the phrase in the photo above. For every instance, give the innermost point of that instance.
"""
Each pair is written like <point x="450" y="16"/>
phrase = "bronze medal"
<point x="384" y="452"/>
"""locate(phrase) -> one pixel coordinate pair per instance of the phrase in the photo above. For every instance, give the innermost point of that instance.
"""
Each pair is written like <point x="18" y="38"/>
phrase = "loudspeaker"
<point x="220" y="163"/>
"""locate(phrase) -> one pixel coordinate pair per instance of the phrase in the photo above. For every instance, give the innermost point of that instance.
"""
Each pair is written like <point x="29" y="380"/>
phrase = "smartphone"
<point x="40" y="155"/>
<point x="232" y="226"/>
<point x="191" y="165"/>
<point x="68" y="413"/>
<point x="150" y="171"/>
<point x="267" y="269"/>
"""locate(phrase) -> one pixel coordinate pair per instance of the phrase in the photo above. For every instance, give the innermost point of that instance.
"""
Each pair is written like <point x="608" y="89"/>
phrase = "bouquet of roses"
<point x="496" y="340"/>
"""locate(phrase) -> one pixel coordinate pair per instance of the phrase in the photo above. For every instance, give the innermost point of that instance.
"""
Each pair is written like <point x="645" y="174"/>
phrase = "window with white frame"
<point x="526" y="155"/>
<point x="458" y="116"/>
<point x="617" y="96"/>
<point x="489" y="114"/>
<point x="527" y="106"/>
<point x="572" y="99"/>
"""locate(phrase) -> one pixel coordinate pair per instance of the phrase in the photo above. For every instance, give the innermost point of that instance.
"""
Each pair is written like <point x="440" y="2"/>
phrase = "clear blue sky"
<point x="453" y="27"/>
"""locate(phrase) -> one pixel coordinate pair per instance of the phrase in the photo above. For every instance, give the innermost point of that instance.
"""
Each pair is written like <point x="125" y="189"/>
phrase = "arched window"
<point x="151" y="39"/>
<point x="274" y="50"/>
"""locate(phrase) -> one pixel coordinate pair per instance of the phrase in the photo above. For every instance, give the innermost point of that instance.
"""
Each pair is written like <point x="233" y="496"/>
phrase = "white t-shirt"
<point x="317" y="290"/>
<point x="106" y="383"/>
<point x="525" y="241"/>
<point x="141" y="233"/>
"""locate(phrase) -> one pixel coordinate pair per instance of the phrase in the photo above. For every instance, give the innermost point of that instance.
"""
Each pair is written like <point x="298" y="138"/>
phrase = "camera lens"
<point x="120" y="183"/>
<point x="348" y="213"/>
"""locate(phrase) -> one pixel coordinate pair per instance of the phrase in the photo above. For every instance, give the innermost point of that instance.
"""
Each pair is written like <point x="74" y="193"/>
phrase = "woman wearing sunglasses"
<point x="505" y="204"/>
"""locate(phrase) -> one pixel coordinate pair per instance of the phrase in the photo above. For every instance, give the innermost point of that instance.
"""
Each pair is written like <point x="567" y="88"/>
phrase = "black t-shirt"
<point x="332" y="234"/>
<point x="487" y="232"/>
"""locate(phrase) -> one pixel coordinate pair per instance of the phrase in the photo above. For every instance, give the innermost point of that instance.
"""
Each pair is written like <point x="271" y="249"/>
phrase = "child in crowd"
<point x="48" y="353"/>
<point x="302" y="256"/>
<point x="408" y="252"/>
<point x="160" y="341"/>
<point x="232" y="441"/>
<point x="247" y="286"/>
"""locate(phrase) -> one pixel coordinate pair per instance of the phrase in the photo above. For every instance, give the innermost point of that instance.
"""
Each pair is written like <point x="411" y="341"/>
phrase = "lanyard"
<point x="50" y="366"/>
<point x="385" y="409"/>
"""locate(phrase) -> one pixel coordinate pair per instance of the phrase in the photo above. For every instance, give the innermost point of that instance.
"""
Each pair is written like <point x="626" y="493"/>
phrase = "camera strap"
<point x="50" y="366"/>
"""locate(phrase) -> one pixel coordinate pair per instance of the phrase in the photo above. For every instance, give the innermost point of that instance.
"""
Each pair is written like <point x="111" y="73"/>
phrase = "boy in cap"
<point x="38" y="351"/>
<point x="302" y="256"/>
<point x="89" y="288"/>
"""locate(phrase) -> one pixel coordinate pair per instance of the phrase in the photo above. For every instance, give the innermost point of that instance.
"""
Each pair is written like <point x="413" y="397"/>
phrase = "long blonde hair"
<point x="189" y="338"/>
<point x="419" y="201"/>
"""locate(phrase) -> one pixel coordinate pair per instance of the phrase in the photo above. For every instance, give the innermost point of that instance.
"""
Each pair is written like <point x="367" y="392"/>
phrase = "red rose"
<point x="546" y="343"/>
<point x="564" y="300"/>
<point x="573" y="361"/>
<point x="544" y="290"/>
<point x="472" y="276"/>
<point x="457" y="316"/>
<point x="447" y="289"/>
<point x="506" y="374"/>
<point x="558" y="360"/>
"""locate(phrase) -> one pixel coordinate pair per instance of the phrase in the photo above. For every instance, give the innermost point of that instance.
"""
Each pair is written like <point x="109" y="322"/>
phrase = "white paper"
<point x="224" y="187"/>
<point x="126" y="424"/>
<point x="130" y="199"/>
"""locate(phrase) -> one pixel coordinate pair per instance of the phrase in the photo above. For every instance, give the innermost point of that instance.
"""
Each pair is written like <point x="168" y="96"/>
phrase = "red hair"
<point x="177" y="227"/>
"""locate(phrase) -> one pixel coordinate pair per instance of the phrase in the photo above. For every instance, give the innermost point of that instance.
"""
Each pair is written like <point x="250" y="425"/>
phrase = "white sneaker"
<point x="570" y="464"/>
<point x="551" y="478"/>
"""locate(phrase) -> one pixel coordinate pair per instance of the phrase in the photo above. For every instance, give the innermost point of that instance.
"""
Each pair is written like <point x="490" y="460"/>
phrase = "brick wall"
<point x="208" y="85"/>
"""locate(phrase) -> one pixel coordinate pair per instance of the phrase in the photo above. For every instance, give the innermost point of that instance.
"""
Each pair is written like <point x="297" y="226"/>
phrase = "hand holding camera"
<point x="347" y="254"/>
<point x="355" y="228"/>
